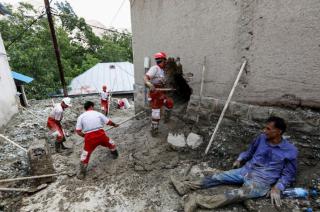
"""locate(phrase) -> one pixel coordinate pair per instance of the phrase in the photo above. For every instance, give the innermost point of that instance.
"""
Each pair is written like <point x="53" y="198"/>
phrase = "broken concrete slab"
<point x="176" y="141"/>
<point x="194" y="140"/>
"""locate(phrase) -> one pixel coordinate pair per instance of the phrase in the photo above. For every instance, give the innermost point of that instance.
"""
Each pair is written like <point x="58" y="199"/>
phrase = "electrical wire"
<point x="117" y="13"/>
<point x="97" y="27"/>
<point x="25" y="30"/>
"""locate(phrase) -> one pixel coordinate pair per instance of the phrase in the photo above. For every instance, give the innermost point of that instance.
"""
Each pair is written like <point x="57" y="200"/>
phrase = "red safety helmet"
<point x="104" y="87"/>
<point x="160" y="55"/>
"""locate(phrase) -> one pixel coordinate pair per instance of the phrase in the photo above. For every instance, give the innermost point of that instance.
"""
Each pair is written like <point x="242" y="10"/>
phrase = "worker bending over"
<point x="155" y="79"/>
<point x="90" y="126"/>
<point x="54" y="123"/>
<point x="270" y="165"/>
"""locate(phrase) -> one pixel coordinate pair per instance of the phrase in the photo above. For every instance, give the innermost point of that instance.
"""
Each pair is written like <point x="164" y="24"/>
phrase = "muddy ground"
<point x="139" y="179"/>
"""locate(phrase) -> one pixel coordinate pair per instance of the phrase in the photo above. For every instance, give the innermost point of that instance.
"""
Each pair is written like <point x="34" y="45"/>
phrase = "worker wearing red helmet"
<point x="104" y="95"/>
<point x="155" y="78"/>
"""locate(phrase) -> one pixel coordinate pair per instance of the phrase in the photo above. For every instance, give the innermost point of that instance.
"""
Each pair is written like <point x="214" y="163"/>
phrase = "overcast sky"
<point x="103" y="11"/>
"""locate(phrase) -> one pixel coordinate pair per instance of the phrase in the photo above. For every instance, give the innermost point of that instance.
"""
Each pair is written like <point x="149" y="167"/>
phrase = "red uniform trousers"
<point x="92" y="140"/>
<point x="56" y="129"/>
<point x="159" y="99"/>
<point x="104" y="105"/>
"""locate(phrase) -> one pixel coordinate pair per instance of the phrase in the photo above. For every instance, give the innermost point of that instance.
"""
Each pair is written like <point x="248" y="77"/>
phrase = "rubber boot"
<point x="184" y="187"/>
<point x="190" y="204"/>
<point x="82" y="171"/>
<point x="154" y="130"/>
<point x="167" y="115"/>
<point x="115" y="154"/>
<point x="57" y="147"/>
<point x="63" y="147"/>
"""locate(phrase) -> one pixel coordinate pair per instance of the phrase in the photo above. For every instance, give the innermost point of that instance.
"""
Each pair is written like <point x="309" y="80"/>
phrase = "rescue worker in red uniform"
<point x="104" y="95"/>
<point x="90" y="126"/>
<point x="54" y="123"/>
<point x="154" y="79"/>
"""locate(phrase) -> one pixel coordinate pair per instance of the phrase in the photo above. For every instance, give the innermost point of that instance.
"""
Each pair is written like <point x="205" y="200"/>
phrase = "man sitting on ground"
<point x="270" y="165"/>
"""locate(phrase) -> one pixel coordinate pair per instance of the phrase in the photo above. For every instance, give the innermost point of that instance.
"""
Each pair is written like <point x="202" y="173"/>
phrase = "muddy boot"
<point x="190" y="204"/>
<point x="154" y="130"/>
<point x="57" y="147"/>
<point x="180" y="187"/>
<point x="167" y="115"/>
<point x="115" y="154"/>
<point x="63" y="147"/>
<point x="82" y="171"/>
<point x="214" y="201"/>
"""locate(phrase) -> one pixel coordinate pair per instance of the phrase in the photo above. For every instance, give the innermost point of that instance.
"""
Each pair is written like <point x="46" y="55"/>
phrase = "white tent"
<point x="119" y="77"/>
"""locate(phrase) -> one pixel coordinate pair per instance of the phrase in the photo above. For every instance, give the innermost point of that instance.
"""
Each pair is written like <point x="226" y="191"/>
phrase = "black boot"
<point x="167" y="115"/>
<point x="57" y="147"/>
<point x="115" y="154"/>
<point x="63" y="147"/>
<point x="154" y="130"/>
<point x="82" y="171"/>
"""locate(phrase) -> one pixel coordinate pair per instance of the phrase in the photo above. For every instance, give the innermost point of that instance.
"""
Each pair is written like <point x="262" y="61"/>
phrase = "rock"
<point x="40" y="160"/>
<point x="177" y="141"/>
<point x="194" y="140"/>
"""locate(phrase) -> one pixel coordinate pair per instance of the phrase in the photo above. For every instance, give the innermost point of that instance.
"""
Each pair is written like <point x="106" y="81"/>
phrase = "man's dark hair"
<point x="278" y="123"/>
<point x="88" y="104"/>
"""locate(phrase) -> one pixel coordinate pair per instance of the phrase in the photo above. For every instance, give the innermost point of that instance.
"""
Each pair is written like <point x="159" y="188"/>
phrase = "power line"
<point x="114" y="17"/>
<point x="97" y="27"/>
<point x="26" y="29"/>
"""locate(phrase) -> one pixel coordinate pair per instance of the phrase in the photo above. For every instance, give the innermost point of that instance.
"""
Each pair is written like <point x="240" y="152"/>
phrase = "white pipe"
<point x="225" y="106"/>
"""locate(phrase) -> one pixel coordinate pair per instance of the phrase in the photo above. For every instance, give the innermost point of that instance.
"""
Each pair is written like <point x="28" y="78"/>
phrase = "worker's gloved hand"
<point x="116" y="125"/>
<point x="150" y="86"/>
<point x="236" y="164"/>
<point x="275" y="196"/>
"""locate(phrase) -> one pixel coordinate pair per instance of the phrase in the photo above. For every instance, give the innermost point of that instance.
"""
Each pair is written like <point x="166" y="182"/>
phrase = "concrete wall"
<point x="8" y="104"/>
<point x="280" y="40"/>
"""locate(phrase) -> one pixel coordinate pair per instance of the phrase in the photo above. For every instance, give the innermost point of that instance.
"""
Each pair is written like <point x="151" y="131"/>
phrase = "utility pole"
<point x="56" y="47"/>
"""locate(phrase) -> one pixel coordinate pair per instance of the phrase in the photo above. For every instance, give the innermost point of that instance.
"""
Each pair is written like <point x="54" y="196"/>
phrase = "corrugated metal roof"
<point x="117" y="76"/>
<point x="21" y="77"/>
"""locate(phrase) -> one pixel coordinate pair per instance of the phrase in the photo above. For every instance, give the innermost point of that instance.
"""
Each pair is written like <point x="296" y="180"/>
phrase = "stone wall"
<point x="303" y="121"/>
<point x="280" y="40"/>
<point x="8" y="104"/>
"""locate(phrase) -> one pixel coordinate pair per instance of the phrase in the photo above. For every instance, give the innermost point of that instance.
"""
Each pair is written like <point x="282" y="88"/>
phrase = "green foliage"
<point x="31" y="51"/>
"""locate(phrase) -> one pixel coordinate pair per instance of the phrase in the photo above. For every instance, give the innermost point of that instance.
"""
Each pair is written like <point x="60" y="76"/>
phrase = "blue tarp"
<point x="21" y="77"/>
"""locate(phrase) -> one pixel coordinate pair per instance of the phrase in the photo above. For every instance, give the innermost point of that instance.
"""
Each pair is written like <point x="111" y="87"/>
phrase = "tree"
<point x="27" y="39"/>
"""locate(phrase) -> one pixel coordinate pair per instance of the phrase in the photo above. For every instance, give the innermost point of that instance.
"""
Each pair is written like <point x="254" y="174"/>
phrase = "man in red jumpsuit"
<point x="155" y="79"/>
<point x="104" y="100"/>
<point x="54" y="123"/>
<point x="90" y="126"/>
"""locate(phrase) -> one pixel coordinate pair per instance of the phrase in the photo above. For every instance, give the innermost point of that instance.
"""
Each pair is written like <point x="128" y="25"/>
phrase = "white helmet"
<point x="67" y="101"/>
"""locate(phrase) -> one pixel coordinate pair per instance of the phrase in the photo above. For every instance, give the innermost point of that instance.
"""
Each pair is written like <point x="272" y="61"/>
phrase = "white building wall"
<point x="8" y="104"/>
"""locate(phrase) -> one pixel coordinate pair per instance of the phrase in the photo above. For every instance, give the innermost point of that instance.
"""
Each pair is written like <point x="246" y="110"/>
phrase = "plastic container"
<point x="300" y="193"/>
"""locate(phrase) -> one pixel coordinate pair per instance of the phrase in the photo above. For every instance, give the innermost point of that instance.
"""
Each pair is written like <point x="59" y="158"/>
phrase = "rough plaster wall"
<point x="285" y="52"/>
<point x="279" y="38"/>
<point x="8" y="105"/>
